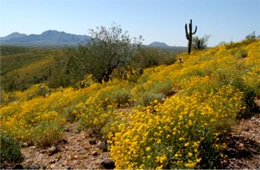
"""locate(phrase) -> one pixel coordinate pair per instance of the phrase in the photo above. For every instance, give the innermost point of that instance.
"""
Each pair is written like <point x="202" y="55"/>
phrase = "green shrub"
<point x="109" y="48"/>
<point x="249" y="95"/>
<point x="69" y="114"/>
<point x="38" y="90"/>
<point x="148" y="97"/>
<point x="111" y="95"/>
<point x="7" y="97"/>
<point x="47" y="133"/>
<point x="148" y="57"/>
<point x="9" y="149"/>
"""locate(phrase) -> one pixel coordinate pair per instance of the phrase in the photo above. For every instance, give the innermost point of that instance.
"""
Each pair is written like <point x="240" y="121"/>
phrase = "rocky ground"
<point x="244" y="145"/>
<point x="77" y="150"/>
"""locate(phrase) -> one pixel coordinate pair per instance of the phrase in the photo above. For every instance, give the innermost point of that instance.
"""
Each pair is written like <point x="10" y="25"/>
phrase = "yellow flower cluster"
<point x="21" y="118"/>
<point x="169" y="135"/>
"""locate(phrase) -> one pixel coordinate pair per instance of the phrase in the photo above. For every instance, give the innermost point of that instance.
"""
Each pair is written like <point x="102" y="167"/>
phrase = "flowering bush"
<point x="172" y="134"/>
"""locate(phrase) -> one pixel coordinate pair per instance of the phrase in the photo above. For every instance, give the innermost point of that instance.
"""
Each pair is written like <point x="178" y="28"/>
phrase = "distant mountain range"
<point x="50" y="38"/>
<point x="53" y="38"/>
<point x="159" y="44"/>
<point x="163" y="45"/>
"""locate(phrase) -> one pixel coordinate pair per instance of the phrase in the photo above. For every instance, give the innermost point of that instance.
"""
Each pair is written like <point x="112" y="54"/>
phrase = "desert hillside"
<point x="167" y="116"/>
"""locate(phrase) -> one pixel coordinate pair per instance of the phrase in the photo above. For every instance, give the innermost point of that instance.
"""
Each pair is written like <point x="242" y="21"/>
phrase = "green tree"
<point x="109" y="48"/>
<point x="148" y="57"/>
<point x="251" y="36"/>
<point x="200" y="43"/>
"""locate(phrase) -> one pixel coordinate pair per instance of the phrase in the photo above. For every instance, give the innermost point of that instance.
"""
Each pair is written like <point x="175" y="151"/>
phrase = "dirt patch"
<point x="77" y="150"/>
<point x="244" y="145"/>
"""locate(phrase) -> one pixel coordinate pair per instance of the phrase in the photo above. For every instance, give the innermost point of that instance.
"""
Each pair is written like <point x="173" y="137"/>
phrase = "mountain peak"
<point x="51" y="31"/>
<point x="158" y="44"/>
<point x="13" y="35"/>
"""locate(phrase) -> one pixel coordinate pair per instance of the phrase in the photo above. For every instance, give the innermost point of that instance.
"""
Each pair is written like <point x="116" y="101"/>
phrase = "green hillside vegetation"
<point x="23" y="67"/>
<point x="26" y="67"/>
<point x="9" y="50"/>
<point x="167" y="116"/>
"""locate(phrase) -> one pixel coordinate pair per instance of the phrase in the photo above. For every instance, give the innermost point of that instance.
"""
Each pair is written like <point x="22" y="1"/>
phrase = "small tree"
<point x="200" y="43"/>
<point x="108" y="49"/>
<point x="251" y="36"/>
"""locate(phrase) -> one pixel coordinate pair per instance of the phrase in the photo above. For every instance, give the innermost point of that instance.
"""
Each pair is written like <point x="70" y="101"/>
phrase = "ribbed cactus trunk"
<point x="189" y="35"/>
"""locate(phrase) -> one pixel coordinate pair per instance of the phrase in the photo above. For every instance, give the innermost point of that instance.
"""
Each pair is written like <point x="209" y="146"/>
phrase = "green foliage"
<point x="11" y="50"/>
<point x="148" y="97"/>
<point x="248" y="99"/>
<point x="7" y="97"/>
<point x="47" y="133"/>
<point x="251" y="36"/>
<point x="38" y="90"/>
<point x="61" y="75"/>
<point x="108" y="49"/>
<point x="147" y="57"/>
<point x="20" y="71"/>
<point x="209" y="152"/>
<point x="200" y="43"/>
<point x="9" y="149"/>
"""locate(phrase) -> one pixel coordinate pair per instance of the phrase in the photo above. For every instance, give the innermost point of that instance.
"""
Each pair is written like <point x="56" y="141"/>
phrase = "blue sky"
<point x="155" y="20"/>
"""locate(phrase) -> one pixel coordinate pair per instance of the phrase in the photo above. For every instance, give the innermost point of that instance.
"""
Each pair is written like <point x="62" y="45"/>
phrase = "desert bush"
<point x="7" y="97"/>
<point x="176" y="133"/>
<point x="47" y="133"/>
<point x="99" y="109"/>
<point x="37" y="90"/>
<point x="148" y="57"/>
<point x="200" y="43"/>
<point x="248" y="99"/>
<point x="145" y="98"/>
<point x="128" y="73"/>
<point x="10" y="149"/>
<point x="108" y="49"/>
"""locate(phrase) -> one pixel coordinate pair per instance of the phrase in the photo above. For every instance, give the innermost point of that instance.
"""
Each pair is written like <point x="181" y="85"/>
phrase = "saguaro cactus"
<point x="189" y="35"/>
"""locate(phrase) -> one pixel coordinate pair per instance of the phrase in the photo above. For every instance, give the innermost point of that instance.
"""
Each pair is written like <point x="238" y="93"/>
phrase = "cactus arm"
<point x="195" y="30"/>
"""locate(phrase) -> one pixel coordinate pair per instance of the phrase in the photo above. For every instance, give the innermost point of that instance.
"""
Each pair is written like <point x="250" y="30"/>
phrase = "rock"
<point x="52" y="166"/>
<point x="35" y="166"/>
<point x="42" y="151"/>
<point x="102" y="145"/>
<point x="108" y="164"/>
<point x="77" y="131"/>
<point x="24" y="144"/>
<point x="53" y="161"/>
<point x="63" y="141"/>
<point x="94" y="153"/>
<point x="83" y="151"/>
<point x="92" y="141"/>
<point x="241" y="146"/>
<point x="32" y="147"/>
<point x="52" y="150"/>
<point x="18" y="166"/>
